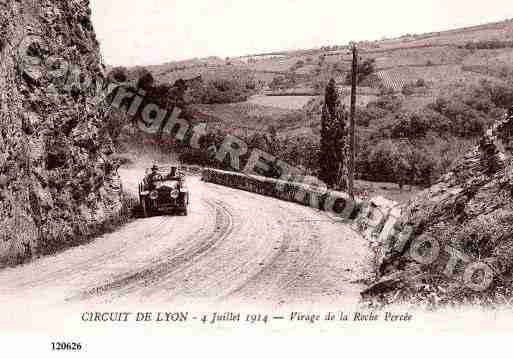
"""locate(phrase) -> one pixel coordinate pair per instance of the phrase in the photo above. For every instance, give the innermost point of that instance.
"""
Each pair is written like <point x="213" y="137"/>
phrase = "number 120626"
<point x="64" y="346"/>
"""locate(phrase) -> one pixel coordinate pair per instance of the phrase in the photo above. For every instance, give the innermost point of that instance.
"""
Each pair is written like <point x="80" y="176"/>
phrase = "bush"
<point x="390" y="103"/>
<point x="299" y="64"/>
<point x="365" y="116"/>
<point x="400" y="162"/>
<point x="410" y="125"/>
<point x="487" y="45"/>
<point x="413" y="87"/>
<point x="365" y="69"/>
<point x="423" y="169"/>
<point x="118" y="74"/>
<point x="145" y="79"/>
<point x="464" y="120"/>
<point x="408" y="90"/>
<point x="488" y="100"/>
<point x="222" y="91"/>
<point x="122" y="159"/>
<point x="382" y="157"/>
<point x="420" y="83"/>
<point x="501" y="95"/>
<point x="385" y="91"/>
<point x="283" y="82"/>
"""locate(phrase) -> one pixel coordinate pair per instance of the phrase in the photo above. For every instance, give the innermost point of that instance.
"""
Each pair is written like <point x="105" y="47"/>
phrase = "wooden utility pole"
<point x="354" y="79"/>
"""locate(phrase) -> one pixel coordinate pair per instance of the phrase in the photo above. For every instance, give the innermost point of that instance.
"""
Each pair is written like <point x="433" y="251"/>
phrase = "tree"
<point x="299" y="64"/>
<point x="145" y="79"/>
<point x="118" y="74"/>
<point x="331" y="156"/>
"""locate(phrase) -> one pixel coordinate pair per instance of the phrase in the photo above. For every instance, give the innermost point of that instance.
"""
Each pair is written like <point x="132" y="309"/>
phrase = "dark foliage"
<point x="487" y="45"/>
<point x="283" y="82"/>
<point x="118" y="74"/>
<point x="222" y="91"/>
<point x="145" y="79"/>
<point x="365" y="69"/>
<point x="332" y="139"/>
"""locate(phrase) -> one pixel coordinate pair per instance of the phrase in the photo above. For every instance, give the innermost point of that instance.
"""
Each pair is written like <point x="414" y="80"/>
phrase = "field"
<point x="388" y="190"/>
<point x="285" y="102"/>
<point x="440" y="59"/>
<point x="415" y="69"/>
<point x="246" y="117"/>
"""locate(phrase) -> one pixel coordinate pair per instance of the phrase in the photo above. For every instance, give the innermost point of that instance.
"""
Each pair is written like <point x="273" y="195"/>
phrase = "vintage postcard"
<point x="218" y="172"/>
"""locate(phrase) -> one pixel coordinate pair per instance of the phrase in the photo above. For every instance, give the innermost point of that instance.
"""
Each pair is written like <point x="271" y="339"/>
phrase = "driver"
<point x="152" y="176"/>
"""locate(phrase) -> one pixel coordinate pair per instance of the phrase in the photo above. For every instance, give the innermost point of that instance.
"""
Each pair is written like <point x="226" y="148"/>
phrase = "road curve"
<point x="233" y="246"/>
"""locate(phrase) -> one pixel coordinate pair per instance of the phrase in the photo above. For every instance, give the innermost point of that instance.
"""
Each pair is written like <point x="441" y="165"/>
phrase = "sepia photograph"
<point x="245" y="174"/>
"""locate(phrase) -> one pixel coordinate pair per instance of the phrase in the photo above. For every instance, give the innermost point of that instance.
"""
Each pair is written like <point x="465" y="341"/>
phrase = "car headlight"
<point x="154" y="195"/>
<point x="174" y="194"/>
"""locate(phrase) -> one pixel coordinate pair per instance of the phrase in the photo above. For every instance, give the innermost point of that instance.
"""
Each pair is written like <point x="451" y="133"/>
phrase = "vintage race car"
<point x="163" y="190"/>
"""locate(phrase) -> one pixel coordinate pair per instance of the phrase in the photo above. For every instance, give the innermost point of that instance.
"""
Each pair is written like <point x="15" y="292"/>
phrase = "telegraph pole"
<point x="354" y="79"/>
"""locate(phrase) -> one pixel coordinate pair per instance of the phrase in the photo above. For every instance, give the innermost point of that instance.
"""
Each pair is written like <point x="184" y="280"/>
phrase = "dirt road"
<point x="233" y="245"/>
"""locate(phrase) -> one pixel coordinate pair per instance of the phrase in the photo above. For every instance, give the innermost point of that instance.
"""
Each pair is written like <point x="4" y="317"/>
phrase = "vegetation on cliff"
<point x="58" y="182"/>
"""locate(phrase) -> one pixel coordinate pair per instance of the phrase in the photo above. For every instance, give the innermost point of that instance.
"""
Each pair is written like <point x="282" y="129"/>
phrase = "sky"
<point x="145" y="32"/>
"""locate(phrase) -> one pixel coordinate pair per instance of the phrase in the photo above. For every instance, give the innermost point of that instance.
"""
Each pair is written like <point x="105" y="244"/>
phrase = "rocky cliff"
<point x="469" y="213"/>
<point x="58" y="183"/>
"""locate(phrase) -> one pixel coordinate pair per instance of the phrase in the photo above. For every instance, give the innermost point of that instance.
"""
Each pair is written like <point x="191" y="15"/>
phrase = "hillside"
<point x="444" y="61"/>
<point x="58" y="182"/>
<point x="466" y="222"/>
<point x="423" y="103"/>
<point x="439" y="57"/>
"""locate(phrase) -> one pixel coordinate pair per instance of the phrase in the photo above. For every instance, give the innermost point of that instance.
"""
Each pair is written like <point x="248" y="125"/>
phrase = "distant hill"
<point x="421" y="106"/>
<point x="442" y="59"/>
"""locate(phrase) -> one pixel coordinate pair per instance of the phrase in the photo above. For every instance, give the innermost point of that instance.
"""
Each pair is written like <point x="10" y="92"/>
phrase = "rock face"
<point x="470" y="209"/>
<point x="57" y="181"/>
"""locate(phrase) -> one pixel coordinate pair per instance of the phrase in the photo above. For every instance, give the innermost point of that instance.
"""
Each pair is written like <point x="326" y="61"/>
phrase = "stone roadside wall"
<point x="470" y="209"/>
<point x="371" y="218"/>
